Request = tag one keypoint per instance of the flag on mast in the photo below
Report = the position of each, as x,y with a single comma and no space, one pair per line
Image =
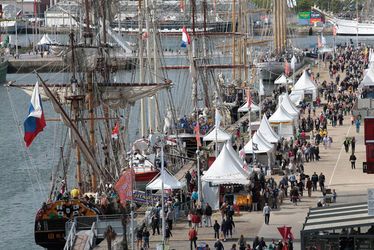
115,131
35,121
197,134
286,68
186,39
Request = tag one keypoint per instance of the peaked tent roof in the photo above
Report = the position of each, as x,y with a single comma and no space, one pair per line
297,97
45,40
281,116
234,154
266,130
244,108
225,170
289,106
304,83
282,79
221,135
261,145
170,182
368,79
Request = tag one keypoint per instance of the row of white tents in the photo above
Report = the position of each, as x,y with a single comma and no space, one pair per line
229,168
302,87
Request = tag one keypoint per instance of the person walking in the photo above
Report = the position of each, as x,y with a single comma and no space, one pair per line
346,145
358,124
309,187
192,236
314,181
353,159
242,243
321,181
216,228
353,144
208,215
266,210
218,245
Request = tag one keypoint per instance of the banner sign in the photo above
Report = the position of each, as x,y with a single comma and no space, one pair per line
146,198
124,186
304,15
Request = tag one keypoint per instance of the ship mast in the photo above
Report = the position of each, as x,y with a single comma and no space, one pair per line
279,25
233,29
141,66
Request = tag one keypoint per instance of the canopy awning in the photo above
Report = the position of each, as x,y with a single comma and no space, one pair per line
282,79
289,106
226,170
304,83
368,79
281,116
45,40
266,130
218,135
244,108
170,182
258,144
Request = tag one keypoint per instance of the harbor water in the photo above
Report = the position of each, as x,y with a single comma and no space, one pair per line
25,174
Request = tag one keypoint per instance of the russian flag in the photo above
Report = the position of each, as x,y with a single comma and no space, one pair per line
185,38
35,121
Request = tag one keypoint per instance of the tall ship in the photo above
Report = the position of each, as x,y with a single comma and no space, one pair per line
271,64
359,21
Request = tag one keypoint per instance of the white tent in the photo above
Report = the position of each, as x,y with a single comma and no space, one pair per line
281,116
225,170
368,79
170,182
234,154
305,84
258,144
244,108
288,105
266,130
325,50
217,134
45,40
296,97
282,79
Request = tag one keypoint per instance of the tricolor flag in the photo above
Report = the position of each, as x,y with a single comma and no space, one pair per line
186,40
197,134
35,121
115,131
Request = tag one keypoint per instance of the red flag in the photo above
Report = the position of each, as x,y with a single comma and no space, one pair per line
286,232
115,131
287,70
249,98
124,186
334,30
197,133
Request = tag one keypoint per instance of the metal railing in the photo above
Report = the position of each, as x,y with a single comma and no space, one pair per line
71,238
91,238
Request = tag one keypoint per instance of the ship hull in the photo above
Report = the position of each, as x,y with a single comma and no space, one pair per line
271,70
351,28
3,70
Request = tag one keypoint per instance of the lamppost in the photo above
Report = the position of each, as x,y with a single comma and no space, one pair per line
199,199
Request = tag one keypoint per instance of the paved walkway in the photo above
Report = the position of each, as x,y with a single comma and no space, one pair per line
350,185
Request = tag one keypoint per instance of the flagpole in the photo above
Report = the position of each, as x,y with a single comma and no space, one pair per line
162,193
198,177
